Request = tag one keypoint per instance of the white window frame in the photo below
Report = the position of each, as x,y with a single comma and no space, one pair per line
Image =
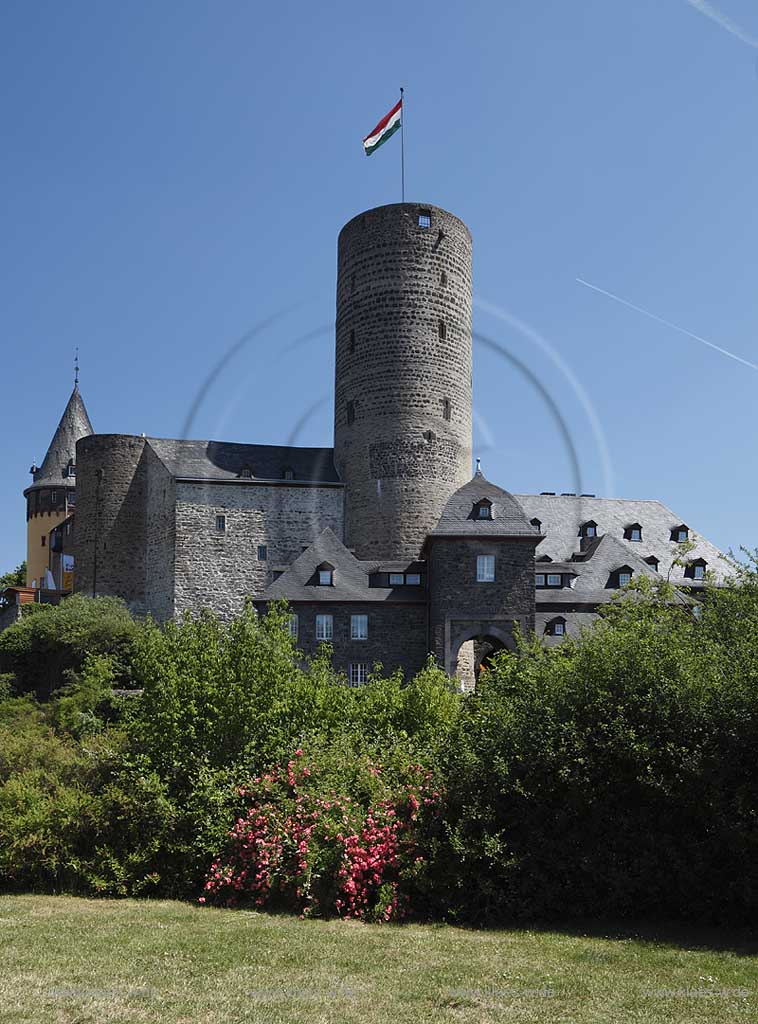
539,579
293,625
397,579
325,577
551,579
359,627
324,627
220,524
624,578
357,673
698,572
485,568
559,629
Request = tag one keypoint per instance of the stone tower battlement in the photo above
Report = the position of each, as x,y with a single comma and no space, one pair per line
402,411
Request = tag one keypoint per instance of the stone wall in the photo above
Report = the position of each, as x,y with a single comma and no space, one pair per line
462,609
217,569
397,634
403,354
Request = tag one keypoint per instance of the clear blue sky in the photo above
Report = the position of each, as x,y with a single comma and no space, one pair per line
175,173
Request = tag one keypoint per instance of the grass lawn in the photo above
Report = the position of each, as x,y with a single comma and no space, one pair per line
102,961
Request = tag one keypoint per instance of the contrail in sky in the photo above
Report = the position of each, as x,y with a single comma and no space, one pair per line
723,21
667,323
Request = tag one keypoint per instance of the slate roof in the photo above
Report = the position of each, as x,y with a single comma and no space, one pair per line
508,519
562,515
74,424
351,577
225,461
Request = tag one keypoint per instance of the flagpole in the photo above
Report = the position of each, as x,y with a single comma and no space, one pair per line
402,147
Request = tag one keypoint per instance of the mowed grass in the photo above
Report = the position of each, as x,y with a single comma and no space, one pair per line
101,961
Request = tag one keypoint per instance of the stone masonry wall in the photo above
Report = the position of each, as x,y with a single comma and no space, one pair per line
402,374
397,634
219,569
462,608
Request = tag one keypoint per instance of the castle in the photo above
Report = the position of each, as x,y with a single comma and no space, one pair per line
385,546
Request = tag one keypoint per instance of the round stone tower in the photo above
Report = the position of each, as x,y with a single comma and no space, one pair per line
402,410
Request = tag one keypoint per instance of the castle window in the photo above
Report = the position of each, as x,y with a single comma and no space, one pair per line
325,577
53,497
350,410
425,218
397,579
289,474
588,530
633,532
536,523
680,534
324,627
696,569
485,568
652,561
71,499
44,540
447,408
359,627
620,577
413,579
221,524
442,329
554,580
245,473
358,674
483,509
443,279
293,626
70,468
556,627
262,552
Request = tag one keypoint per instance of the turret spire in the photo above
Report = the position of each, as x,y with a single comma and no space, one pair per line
76,369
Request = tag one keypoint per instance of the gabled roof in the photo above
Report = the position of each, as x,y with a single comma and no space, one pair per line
74,424
561,516
508,519
226,461
351,577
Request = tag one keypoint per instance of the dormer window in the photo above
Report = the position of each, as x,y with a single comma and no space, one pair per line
325,577
482,509
556,627
536,523
588,530
653,562
633,532
288,474
246,473
680,534
621,577
696,569
71,468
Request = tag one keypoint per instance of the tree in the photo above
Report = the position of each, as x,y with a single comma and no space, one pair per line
15,578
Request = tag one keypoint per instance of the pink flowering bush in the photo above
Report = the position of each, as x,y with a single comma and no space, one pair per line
304,847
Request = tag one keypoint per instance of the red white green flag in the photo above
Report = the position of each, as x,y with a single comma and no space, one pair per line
386,128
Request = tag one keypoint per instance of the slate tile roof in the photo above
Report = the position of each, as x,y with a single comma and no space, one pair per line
74,424
351,577
458,516
225,460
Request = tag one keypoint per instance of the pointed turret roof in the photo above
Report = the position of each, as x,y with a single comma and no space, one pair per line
74,424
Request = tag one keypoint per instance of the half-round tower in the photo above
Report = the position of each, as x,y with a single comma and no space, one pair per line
402,412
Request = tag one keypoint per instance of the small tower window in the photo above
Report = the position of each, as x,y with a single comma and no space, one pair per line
425,218
447,408
262,553
633,532
350,412
71,468
44,540
442,329
443,279
588,530
53,497
221,524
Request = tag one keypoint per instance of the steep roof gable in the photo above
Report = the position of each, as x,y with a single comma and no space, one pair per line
74,424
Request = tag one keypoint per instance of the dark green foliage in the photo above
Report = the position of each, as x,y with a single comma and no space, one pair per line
614,776
15,578
52,640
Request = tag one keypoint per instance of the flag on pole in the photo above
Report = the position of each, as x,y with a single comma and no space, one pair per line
387,127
